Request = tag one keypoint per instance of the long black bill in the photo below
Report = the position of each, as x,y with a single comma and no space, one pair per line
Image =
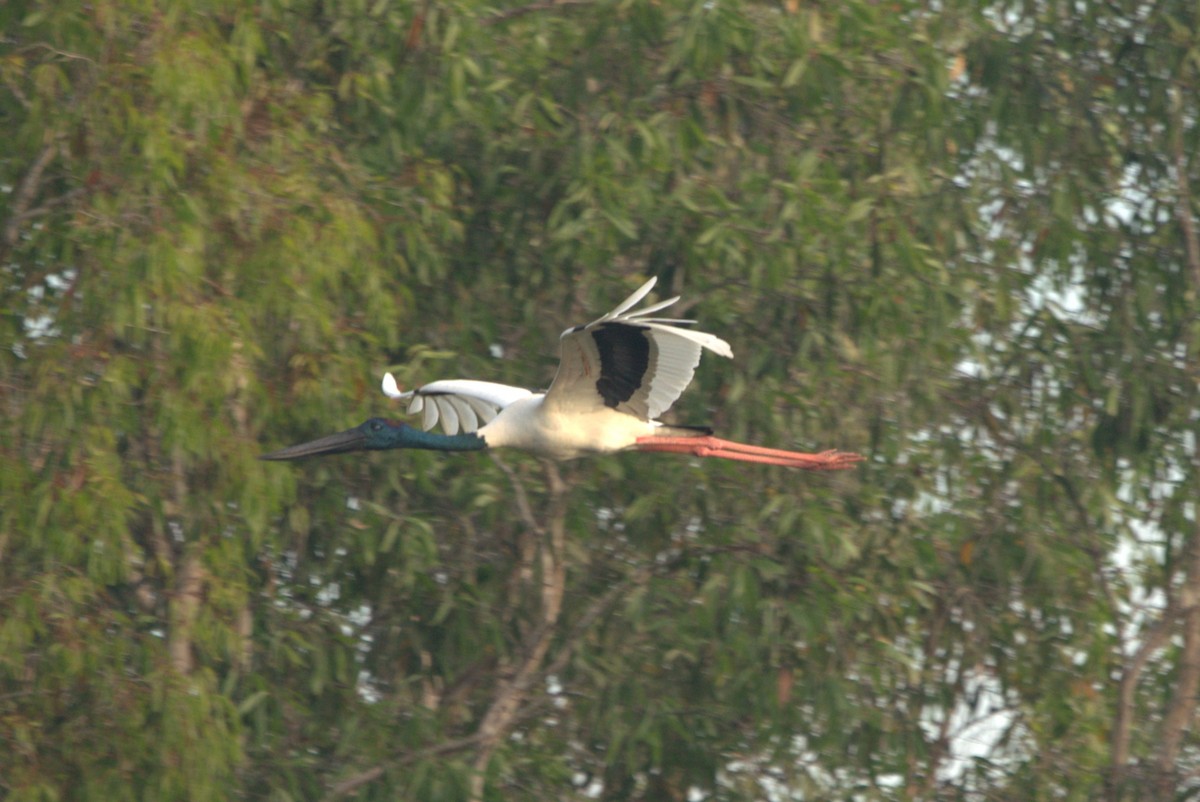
349,440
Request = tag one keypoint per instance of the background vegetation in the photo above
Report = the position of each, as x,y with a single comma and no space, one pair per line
957,237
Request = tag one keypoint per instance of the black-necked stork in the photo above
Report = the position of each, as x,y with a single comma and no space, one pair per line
616,375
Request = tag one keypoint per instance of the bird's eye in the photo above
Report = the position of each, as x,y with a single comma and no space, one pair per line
376,426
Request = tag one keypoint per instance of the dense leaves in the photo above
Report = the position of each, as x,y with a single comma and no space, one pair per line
958,239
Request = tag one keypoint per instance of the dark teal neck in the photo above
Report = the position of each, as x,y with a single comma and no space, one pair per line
469,441
380,434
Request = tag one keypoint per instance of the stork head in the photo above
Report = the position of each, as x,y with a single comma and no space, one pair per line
379,434
376,434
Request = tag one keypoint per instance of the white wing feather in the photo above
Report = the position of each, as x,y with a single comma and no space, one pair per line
459,404
674,355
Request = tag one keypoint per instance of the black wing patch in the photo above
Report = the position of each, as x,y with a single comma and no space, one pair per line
624,360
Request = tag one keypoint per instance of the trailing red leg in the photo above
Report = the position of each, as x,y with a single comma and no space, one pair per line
709,446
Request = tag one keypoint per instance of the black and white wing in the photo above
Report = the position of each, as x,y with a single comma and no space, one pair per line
628,361
459,404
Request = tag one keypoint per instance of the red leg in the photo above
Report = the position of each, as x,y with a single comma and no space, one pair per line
726,449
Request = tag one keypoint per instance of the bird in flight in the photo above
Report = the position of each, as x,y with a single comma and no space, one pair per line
616,376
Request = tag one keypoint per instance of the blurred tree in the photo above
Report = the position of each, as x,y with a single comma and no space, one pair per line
958,237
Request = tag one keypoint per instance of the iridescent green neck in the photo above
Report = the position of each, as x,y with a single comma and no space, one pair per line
380,434
416,438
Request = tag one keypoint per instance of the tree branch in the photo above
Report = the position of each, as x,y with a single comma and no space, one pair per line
1183,701
506,704
1183,204
184,606
1182,707
26,191
578,632
1155,637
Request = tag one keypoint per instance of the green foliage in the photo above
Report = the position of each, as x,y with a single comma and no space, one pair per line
960,240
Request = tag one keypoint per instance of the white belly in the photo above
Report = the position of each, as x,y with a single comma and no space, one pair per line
527,424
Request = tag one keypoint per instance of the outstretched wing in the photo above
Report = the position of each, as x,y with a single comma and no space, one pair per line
458,403
628,361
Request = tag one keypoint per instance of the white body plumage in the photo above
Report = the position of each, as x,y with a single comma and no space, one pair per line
529,424
616,375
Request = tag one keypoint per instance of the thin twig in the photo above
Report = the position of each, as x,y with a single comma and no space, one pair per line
526,540
532,8
523,507
63,53
356,781
598,608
